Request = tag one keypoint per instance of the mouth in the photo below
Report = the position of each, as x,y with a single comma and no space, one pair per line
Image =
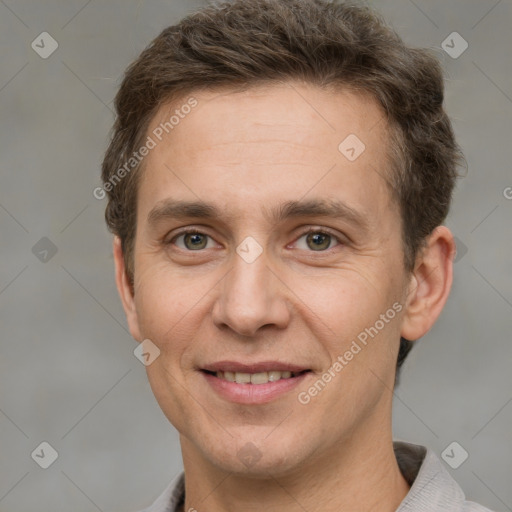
253,384
257,378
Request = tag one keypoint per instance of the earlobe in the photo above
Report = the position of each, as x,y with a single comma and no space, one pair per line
125,290
430,284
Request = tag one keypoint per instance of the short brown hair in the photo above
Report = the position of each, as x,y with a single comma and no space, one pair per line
246,43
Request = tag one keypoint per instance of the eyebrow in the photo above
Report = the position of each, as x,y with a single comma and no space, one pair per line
332,208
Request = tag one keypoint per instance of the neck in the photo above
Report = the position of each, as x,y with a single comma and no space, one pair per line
359,474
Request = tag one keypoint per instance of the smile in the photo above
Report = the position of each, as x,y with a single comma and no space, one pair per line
253,388
255,378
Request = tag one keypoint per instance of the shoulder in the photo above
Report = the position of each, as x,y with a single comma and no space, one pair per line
471,506
433,489
171,499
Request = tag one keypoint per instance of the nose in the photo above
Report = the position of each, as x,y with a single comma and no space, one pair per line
251,297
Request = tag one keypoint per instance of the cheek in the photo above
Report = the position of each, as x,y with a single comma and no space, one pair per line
357,317
170,309
343,301
161,302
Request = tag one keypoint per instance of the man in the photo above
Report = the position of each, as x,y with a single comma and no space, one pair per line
278,176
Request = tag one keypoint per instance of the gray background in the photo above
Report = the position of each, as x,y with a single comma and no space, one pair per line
68,375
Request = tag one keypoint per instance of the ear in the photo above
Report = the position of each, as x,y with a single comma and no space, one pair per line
430,284
125,290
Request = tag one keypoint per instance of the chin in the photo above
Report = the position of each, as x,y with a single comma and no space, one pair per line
258,459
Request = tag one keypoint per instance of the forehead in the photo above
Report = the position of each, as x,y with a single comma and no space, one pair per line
266,144
268,110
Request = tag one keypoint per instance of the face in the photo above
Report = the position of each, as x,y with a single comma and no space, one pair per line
292,260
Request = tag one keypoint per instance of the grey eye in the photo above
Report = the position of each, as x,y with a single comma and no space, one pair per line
192,241
316,241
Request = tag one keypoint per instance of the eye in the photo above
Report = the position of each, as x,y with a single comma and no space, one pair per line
318,240
193,240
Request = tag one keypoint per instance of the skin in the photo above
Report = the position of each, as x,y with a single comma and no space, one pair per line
247,152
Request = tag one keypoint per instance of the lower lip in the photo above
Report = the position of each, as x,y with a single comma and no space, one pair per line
253,393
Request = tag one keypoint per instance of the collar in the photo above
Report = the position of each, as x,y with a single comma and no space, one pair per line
432,487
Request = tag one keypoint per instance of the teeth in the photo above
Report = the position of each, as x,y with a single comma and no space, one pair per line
259,378
273,376
242,378
228,376
254,378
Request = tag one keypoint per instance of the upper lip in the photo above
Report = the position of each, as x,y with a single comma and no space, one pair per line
262,366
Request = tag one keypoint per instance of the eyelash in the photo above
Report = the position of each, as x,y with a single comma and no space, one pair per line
323,231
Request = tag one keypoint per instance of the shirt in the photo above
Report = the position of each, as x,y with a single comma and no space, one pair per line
433,489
